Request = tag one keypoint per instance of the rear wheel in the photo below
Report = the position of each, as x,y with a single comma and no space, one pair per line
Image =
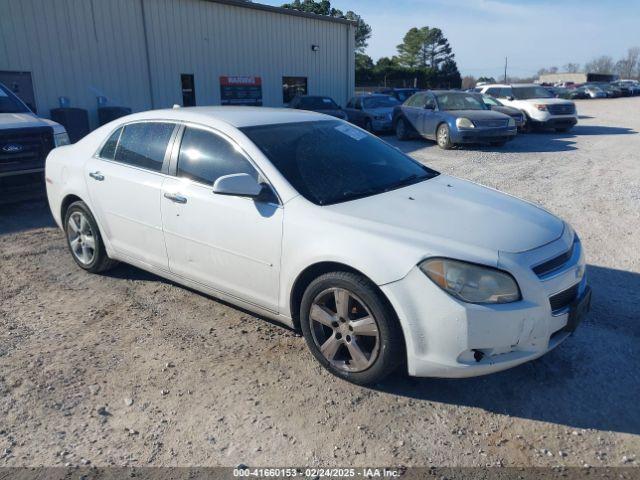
84,239
443,137
350,329
402,129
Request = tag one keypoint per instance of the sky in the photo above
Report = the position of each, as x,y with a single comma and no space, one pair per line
532,33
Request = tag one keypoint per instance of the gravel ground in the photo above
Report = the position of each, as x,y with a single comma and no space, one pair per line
128,369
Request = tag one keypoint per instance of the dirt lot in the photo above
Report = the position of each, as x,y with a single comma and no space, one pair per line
128,369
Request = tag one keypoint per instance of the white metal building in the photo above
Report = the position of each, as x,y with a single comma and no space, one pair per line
146,54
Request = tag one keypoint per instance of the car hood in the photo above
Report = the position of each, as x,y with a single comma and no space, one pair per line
546,101
379,111
506,110
27,120
447,211
333,112
475,114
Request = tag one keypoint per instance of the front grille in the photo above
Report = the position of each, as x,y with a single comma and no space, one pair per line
555,263
562,109
24,148
563,299
493,123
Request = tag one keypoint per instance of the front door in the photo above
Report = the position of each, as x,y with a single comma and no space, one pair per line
228,243
125,182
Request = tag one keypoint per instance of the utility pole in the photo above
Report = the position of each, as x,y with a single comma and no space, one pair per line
505,69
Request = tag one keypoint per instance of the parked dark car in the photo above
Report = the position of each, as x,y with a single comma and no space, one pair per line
373,112
318,103
497,106
610,90
578,93
400,94
451,118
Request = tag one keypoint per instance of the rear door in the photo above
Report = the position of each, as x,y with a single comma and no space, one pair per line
125,183
413,110
228,243
430,116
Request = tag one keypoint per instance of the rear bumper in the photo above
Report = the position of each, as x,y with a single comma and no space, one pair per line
484,135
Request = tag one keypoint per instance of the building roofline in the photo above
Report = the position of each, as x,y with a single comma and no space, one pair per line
283,11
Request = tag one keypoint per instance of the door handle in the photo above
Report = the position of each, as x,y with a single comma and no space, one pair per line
175,197
97,176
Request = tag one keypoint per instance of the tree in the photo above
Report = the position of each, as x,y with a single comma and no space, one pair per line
626,67
571,67
487,80
468,82
602,64
323,7
449,76
424,47
364,62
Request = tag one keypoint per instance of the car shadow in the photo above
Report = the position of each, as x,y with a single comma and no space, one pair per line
590,381
27,215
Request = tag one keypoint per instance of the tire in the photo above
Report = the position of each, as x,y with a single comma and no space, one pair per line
368,126
443,137
84,239
380,341
402,129
527,127
563,129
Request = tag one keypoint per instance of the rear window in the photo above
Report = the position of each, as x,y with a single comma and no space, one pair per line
144,145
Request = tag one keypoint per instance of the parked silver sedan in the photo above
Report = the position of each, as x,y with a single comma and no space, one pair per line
372,112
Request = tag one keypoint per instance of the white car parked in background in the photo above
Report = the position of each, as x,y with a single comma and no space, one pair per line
541,109
315,223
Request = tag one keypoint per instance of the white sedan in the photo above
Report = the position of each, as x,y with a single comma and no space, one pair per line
380,261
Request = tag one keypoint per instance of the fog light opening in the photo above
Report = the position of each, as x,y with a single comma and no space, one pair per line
478,355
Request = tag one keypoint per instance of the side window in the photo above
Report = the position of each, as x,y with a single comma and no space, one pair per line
109,148
505,92
419,100
494,92
351,103
205,156
430,101
358,104
144,144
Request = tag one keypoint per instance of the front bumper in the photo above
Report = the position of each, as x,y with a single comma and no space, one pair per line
555,122
483,135
382,125
443,335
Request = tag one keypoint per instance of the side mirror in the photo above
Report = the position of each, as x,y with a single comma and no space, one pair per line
237,185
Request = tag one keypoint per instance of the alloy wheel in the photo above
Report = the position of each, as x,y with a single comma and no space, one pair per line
81,238
344,330
443,136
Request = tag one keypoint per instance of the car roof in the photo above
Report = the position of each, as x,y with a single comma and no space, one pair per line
233,115
512,85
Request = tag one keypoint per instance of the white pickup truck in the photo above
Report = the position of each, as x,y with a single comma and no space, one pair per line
540,108
25,139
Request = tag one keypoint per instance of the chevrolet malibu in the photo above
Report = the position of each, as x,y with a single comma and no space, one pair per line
380,261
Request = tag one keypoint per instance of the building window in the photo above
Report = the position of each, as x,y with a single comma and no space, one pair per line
188,90
292,86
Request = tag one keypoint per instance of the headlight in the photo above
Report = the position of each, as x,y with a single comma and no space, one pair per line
541,106
471,283
464,123
60,139
512,122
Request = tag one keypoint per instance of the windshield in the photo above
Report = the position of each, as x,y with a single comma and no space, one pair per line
9,103
379,102
526,93
489,100
459,101
318,103
402,95
331,161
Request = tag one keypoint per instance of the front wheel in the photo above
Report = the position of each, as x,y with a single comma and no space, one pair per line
84,239
402,129
350,329
443,137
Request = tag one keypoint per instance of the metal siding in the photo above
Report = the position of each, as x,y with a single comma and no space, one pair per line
84,48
